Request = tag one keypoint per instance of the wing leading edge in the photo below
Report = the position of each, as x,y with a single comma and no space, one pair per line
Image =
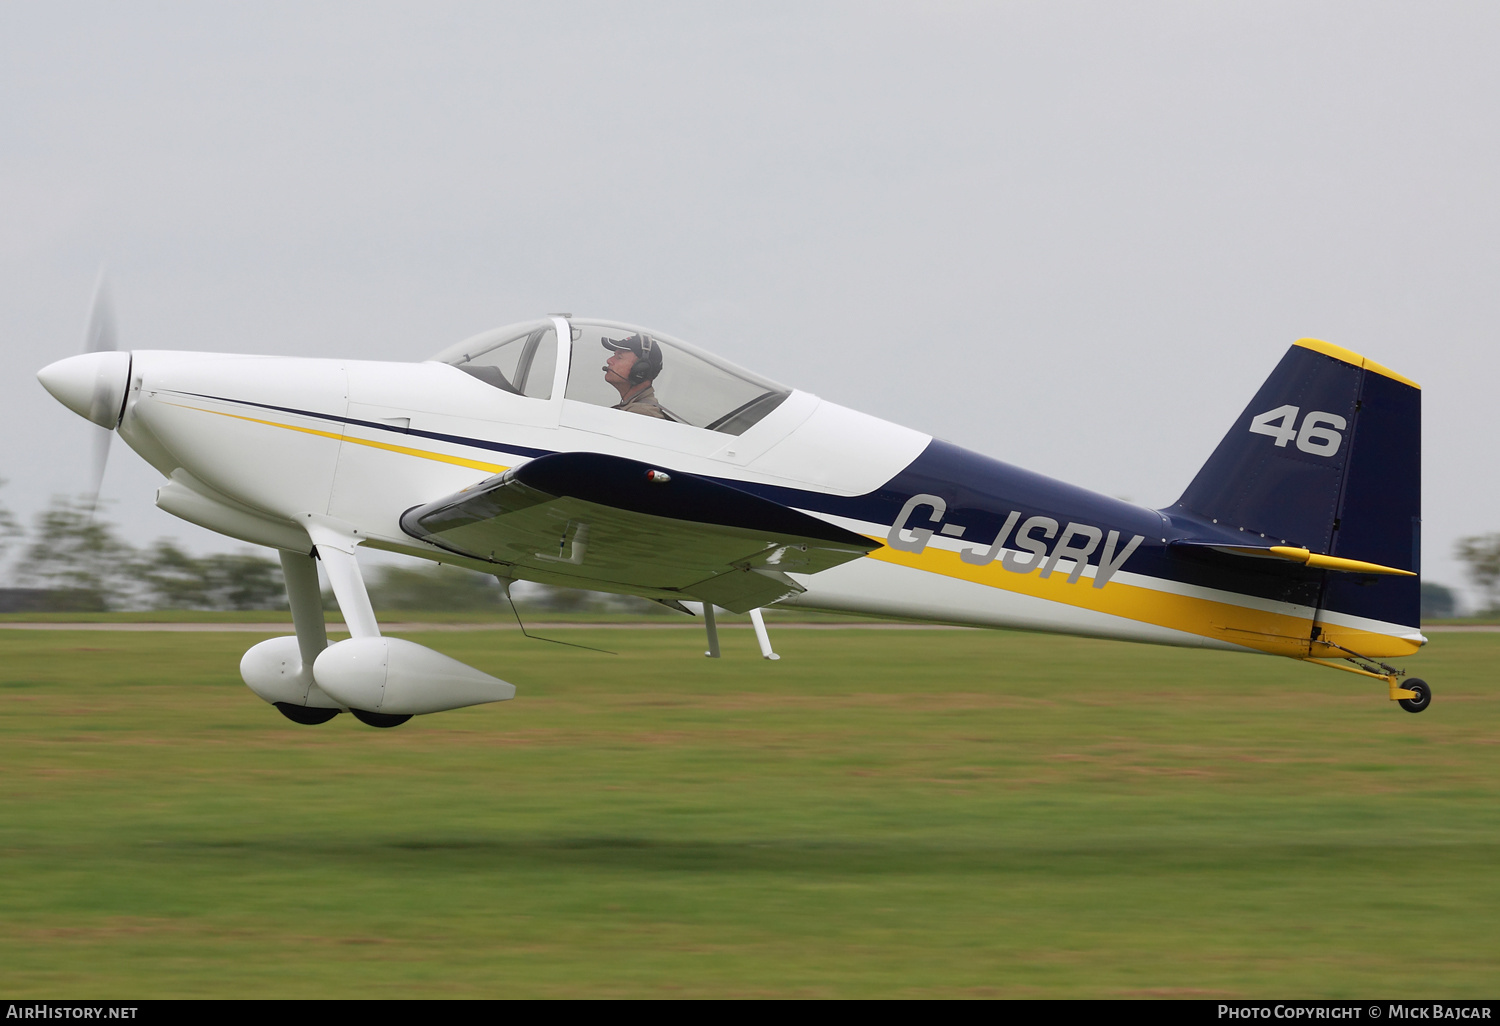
609,523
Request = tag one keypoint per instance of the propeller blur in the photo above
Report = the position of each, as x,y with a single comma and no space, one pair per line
92,385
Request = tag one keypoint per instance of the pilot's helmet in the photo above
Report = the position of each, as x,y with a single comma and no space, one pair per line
647,351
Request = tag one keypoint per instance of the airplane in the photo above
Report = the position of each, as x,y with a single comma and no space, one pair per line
601,455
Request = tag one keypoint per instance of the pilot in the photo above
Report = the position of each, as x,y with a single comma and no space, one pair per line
632,368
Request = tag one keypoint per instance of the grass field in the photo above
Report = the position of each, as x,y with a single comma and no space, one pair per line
500,616
879,813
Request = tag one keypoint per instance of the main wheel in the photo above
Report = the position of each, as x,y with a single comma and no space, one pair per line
305,714
378,719
1423,699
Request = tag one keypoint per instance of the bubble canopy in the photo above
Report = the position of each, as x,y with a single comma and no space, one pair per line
693,387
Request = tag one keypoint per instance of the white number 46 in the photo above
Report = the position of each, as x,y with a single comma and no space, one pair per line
1319,435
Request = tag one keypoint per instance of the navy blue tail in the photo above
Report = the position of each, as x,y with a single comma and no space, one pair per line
1327,457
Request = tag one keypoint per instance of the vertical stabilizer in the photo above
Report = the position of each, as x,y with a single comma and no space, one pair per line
1327,457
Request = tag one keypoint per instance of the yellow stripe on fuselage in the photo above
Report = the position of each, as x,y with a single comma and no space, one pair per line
1275,633
426,454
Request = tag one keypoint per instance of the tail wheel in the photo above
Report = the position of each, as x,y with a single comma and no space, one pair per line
305,715
1423,699
375,719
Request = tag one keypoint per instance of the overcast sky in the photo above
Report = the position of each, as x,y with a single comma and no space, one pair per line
1073,236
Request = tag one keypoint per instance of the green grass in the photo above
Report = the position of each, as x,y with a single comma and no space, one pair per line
500,614
879,813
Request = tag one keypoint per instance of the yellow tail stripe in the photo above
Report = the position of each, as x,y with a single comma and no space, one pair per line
1349,356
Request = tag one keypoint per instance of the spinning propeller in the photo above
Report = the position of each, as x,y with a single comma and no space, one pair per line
93,384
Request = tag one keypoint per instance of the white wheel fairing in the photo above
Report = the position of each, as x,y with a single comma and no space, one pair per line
401,678
274,670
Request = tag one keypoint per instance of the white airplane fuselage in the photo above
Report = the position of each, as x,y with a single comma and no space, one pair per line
361,442
321,455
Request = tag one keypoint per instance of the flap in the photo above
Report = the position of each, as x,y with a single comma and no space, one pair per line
615,524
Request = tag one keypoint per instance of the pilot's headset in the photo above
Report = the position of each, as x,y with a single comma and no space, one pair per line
649,364
648,355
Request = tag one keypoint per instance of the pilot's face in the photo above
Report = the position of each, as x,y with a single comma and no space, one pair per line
617,367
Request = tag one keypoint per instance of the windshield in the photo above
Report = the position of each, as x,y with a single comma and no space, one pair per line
519,358
647,373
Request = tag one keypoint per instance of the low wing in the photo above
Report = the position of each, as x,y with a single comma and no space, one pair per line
614,524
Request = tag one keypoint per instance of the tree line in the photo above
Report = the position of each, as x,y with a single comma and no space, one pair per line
73,559
77,557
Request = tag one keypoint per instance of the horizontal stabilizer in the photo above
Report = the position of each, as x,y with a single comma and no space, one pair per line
1312,560
612,524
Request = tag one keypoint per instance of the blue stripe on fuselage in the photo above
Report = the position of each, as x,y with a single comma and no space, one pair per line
981,492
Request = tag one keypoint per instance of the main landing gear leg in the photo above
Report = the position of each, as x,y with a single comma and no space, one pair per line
306,600
336,549
309,705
